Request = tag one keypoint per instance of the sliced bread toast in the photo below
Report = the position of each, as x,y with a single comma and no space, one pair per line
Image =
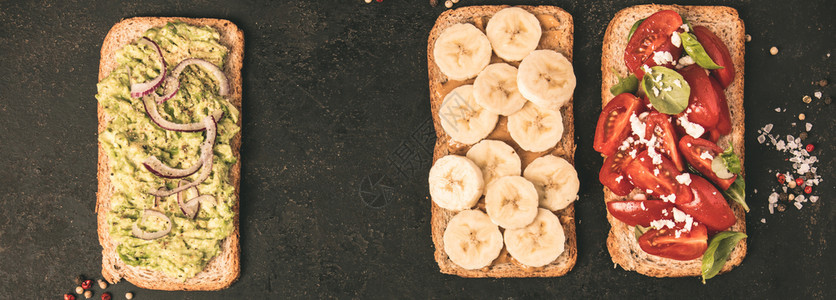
558,34
222,270
724,22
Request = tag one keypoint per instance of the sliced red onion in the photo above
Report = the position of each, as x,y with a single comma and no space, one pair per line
151,235
158,199
160,169
172,85
151,111
206,155
223,84
191,207
141,89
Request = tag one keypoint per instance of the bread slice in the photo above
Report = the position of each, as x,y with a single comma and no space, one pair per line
724,22
222,270
558,35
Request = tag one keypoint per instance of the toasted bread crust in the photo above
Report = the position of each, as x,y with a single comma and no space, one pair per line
724,22
222,270
557,36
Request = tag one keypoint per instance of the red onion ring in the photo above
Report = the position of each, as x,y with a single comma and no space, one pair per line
142,234
155,166
206,155
191,207
169,92
141,89
151,111
223,83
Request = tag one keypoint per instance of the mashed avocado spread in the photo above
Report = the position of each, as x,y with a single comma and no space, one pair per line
131,137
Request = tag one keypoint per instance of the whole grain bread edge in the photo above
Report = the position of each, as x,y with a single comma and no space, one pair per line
724,22
224,269
558,35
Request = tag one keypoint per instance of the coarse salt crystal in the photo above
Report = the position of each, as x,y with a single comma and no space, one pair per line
814,199
763,220
809,126
767,128
773,198
761,139
817,94
777,109
798,205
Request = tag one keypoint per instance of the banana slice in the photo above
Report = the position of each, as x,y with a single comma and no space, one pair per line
511,202
556,181
463,119
546,78
471,240
496,159
495,89
513,32
455,183
536,129
539,243
461,51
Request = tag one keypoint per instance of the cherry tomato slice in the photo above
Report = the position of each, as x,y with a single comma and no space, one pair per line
723,126
660,125
707,205
719,53
663,242
656,179
649,37
614,123
612,172
703,103
640,212
694,152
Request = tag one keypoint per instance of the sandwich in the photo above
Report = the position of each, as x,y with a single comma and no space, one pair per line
671,133
169,134
503,182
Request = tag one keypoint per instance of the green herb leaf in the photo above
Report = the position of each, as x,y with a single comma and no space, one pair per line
737,192
629,84
639,231
730,159
635,26
666,89
718,252
693,47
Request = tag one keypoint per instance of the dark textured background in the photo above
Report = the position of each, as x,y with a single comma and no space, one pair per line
336,142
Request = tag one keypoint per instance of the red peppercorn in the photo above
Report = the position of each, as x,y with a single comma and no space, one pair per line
106,296
87,284
782,178
69,297
810,148
808,189
799,181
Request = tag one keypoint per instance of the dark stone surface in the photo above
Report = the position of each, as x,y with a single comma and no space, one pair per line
337,148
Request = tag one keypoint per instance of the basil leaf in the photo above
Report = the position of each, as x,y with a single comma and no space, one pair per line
730,159
635,26
639,231
737,192
629,84
693,47
718,251
666,89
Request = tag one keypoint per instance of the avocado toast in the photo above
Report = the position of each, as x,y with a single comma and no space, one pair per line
200,250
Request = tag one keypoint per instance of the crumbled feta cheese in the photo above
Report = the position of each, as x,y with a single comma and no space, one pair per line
668,198
676,40
637,126
646,69
649,191
642,205
633,153
685,27
684,178
659,224
655,156
685,61
655,172
665,212
677,83
619,178
706,155
661,58
693,129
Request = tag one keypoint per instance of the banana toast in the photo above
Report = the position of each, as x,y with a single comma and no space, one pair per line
557,34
